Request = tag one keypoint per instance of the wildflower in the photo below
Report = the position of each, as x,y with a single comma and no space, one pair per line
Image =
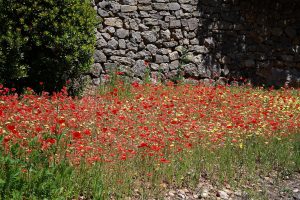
76,135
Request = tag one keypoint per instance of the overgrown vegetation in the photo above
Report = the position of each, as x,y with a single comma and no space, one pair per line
143,139
46,41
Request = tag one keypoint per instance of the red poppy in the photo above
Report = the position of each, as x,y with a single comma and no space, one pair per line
76,135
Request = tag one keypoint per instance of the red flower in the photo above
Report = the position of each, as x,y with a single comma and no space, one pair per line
10,127
76,135
87,132
50,140
143,144
163,160
120,73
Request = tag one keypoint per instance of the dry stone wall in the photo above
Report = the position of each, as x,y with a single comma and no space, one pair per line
199,40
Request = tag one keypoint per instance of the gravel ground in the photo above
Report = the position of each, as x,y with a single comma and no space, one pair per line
266,188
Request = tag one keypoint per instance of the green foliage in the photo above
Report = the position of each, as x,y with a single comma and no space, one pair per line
46,41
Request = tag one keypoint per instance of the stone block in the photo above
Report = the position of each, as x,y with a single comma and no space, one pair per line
175,24
174,6
122,33
115,22
128,8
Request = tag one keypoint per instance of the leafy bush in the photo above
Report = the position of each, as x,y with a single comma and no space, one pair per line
45,41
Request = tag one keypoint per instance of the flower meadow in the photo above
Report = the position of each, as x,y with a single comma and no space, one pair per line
143,138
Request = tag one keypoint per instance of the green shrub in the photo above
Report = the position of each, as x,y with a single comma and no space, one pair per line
49,41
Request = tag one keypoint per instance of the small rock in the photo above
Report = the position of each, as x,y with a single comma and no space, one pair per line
174,55
149,36
136,37
150,22
99,56
122,33
128,8
193,23
174,6
112,44
160,6
175,24
172,193
165,35
222,195
204,193
116,22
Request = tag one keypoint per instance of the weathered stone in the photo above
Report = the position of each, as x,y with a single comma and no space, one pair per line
165,35
164,51
106,36
193,23
174,64
177,34
160,6
145,7
184,1
170,44
145,55
194,41
163,25
132,46
114,7
122,60
150,22
122,33
107,52
102,13
136,37
161,59
152,48
122,44
99,56
141,46
154,66
199,49
143,27
131,55
139,68
128,8
164,67
156,16
129,2
110,30
174,6
198,59
164,13
190,70
115,22
101,43
174,55
188,7
179,14
96,69
112,44
149,36
180,49
144,14
144,1
175,24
